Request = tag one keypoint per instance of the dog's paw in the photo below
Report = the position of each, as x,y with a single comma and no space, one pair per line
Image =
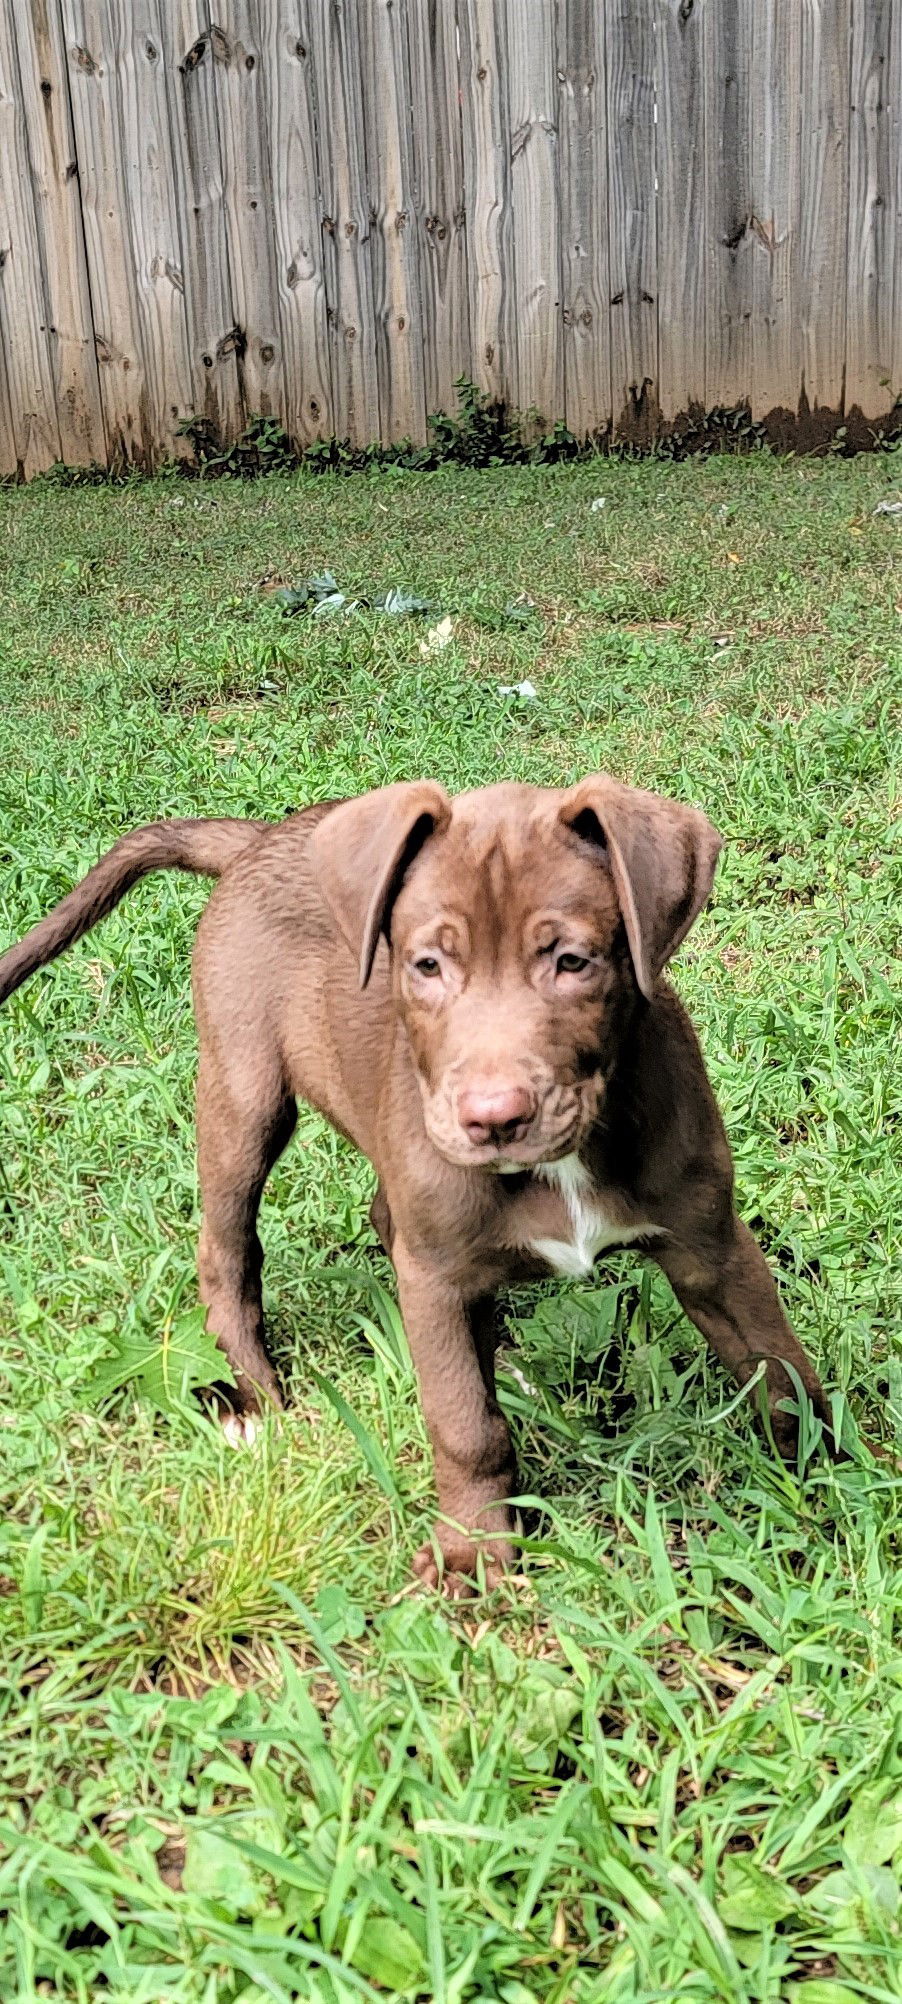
433,1574
240,1429
459,1567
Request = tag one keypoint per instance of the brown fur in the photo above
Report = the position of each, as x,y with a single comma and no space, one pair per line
464,988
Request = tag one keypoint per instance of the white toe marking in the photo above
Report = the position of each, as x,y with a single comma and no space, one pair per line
592,1227
240,1431
514,1371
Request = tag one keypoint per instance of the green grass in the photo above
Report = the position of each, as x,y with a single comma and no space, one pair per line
239,1758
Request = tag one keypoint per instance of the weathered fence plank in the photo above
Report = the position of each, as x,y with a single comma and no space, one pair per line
9,458
33,439
439,199
45,103
873,195
820,291
247,179
483,73
680,161
535,206
346,218
290,86
775,205
213,340
729,284
103,183
585,277
121,123
394,251
896,90
630,50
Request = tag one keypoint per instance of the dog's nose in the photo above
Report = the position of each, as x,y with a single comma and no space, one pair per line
496,1113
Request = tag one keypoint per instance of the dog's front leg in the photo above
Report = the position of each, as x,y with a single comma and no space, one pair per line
475,1470
728,1291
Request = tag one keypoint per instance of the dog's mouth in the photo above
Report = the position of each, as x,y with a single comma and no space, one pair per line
518,1161
515,1158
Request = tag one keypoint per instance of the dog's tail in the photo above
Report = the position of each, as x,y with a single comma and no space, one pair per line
204,847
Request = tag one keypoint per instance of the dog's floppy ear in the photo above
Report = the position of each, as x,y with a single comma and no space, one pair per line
662,858
361,850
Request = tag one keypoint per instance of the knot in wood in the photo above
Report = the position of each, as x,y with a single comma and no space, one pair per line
195,55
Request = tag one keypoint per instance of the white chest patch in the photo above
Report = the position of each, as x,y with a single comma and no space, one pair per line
592,1231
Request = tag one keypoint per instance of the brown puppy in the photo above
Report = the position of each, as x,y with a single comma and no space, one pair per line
471,991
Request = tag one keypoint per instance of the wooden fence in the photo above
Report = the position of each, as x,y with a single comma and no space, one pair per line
614,211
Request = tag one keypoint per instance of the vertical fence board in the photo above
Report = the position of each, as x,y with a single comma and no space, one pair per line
157,256
823,225
483,78
439,199
188,47
34,441
896,143
729,284
244,139
346,222
9,456
94,92
535,206
584,217
122,134
298,219
394,251
872,211
680,159
45,103
775,205
630,52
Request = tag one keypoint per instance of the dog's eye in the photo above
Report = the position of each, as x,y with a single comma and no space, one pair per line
427,965
570,963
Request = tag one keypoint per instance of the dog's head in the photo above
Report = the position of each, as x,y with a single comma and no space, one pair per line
523,924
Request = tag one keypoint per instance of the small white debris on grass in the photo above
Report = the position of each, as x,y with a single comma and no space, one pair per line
888,508
437,637
525,690
600,501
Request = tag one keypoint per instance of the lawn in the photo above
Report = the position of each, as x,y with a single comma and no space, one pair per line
240,1759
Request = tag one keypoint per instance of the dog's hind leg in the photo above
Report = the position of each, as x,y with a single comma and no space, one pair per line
245,1117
